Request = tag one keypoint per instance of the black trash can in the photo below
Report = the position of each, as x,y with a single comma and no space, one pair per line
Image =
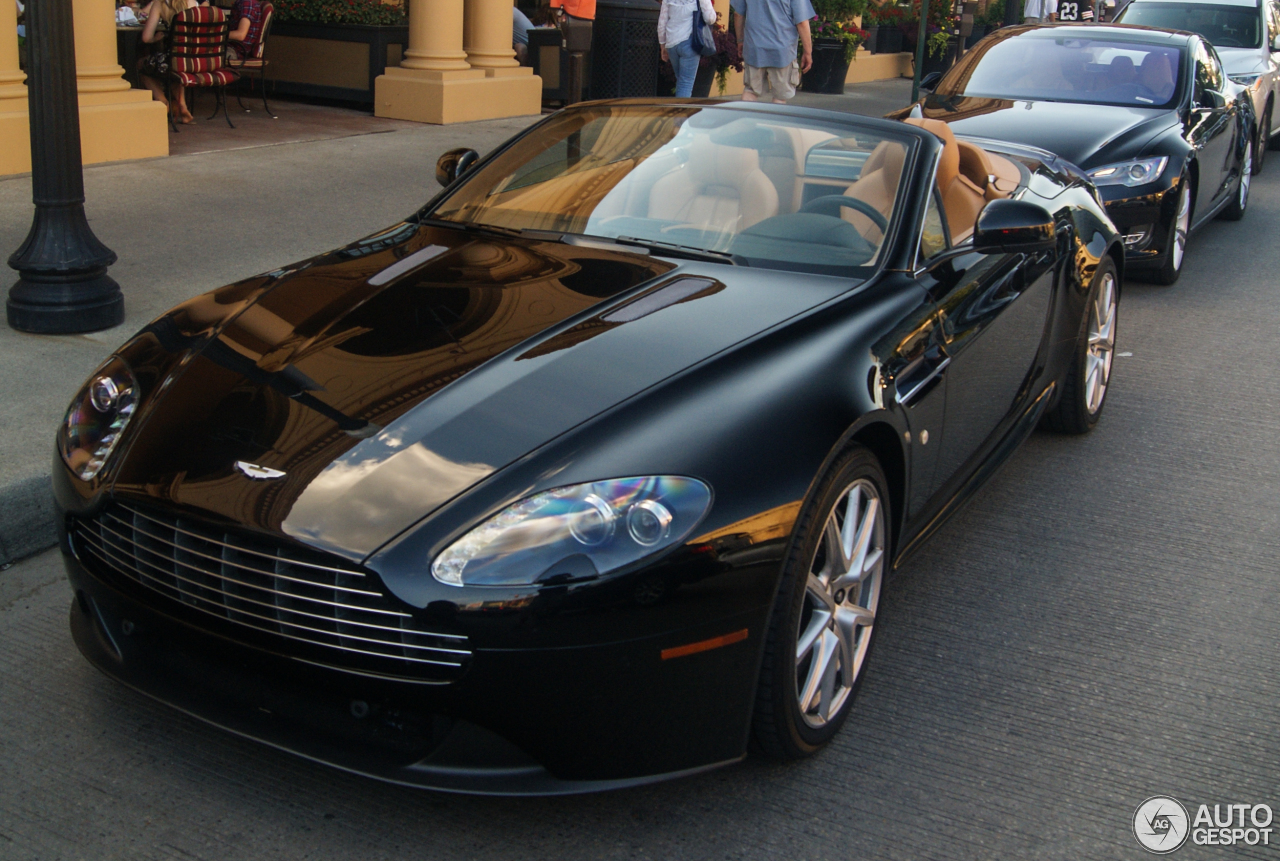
624,49
829,68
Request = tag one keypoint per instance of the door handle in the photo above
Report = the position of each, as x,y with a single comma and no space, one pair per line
920,372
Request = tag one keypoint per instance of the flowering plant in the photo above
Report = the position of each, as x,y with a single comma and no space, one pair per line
938,28
884,16
850,35
373,12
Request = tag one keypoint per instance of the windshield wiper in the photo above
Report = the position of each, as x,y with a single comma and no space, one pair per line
471,226
671,249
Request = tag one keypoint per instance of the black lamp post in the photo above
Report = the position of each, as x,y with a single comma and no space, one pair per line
63,285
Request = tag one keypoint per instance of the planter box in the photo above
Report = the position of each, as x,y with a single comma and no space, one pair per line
888,39
332,61
829,68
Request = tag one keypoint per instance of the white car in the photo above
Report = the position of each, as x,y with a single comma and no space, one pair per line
1246,35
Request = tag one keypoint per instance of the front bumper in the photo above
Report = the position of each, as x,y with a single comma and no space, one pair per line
1150,213
520,722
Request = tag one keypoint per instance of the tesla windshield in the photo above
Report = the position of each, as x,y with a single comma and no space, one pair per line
1056,66
763,189
1224,26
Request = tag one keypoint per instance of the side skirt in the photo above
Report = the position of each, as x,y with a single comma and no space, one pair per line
989,466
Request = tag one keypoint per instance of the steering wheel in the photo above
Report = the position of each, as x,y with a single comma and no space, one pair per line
833,202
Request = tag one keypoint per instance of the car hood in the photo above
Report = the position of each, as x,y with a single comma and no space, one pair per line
1242,61
1086,135
365,389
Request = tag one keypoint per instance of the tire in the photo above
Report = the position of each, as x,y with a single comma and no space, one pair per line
831,612
1176,244
1240,200
1262,143
1084,386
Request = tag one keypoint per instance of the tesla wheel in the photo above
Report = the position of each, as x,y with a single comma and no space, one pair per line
1240,200
1263,142
1084,388
1176,246
824,615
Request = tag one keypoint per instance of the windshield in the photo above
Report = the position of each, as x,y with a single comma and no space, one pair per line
709,179
1223,26
1057,66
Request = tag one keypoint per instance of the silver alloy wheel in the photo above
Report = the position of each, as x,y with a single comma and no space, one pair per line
1246,171
840,603
1102,343
1183,222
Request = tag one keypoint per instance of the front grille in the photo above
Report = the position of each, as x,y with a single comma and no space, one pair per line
329,611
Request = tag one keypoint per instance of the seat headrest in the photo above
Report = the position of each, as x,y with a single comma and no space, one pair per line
949,163
975,164
722,165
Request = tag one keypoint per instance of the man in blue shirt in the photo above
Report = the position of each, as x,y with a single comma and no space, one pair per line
768,31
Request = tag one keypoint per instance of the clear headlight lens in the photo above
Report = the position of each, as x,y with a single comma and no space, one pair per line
96,418
1137,172
574,532
1245,80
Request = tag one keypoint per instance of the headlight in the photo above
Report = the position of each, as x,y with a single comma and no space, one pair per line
1245,80
97,417
580,531
1138,172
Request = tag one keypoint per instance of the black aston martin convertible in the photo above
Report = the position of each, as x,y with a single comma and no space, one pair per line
1148,114
591,471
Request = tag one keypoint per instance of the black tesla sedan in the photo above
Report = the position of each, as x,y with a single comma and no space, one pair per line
594,468
1148,114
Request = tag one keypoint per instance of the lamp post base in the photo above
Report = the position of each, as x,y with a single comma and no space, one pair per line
65,304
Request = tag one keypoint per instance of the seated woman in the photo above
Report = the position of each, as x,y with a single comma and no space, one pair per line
246,30
154,67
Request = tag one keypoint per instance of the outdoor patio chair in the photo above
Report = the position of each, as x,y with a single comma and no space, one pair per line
255,67
198,54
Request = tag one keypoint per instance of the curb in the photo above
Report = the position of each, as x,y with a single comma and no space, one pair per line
27,523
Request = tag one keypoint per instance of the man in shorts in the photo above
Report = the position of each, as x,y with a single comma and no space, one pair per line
768,31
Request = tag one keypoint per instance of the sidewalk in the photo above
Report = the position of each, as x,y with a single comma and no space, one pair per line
189,223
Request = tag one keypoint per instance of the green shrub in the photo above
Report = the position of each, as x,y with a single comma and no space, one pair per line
340,12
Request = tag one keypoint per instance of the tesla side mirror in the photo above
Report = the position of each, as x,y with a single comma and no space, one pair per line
1013,225
454,164
929,81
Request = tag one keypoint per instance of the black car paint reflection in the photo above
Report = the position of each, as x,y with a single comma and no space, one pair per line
416,382
1202,130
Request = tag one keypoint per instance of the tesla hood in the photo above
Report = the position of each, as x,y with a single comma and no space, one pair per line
375,384
1086,135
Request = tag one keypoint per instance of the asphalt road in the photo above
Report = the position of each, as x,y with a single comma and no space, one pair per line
1098,626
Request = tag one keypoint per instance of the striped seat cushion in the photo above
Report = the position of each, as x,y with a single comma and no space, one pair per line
218,78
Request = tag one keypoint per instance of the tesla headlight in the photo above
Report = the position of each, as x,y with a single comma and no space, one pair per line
1245,80
97,417
1137,172
574,532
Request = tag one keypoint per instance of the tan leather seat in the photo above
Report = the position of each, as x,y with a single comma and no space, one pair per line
876,185
720,188
962,198
1156,74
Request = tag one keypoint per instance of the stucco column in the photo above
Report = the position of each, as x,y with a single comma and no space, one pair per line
487,35
435,36
440,81
15,138
116,122
96,68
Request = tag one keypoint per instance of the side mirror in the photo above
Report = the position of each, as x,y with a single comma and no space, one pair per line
929,81
454,164
1013,225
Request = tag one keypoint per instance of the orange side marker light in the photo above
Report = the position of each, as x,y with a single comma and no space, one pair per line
704,645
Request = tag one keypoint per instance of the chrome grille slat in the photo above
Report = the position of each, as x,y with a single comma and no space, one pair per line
217,573
199,602
172,557
222,598
138,514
